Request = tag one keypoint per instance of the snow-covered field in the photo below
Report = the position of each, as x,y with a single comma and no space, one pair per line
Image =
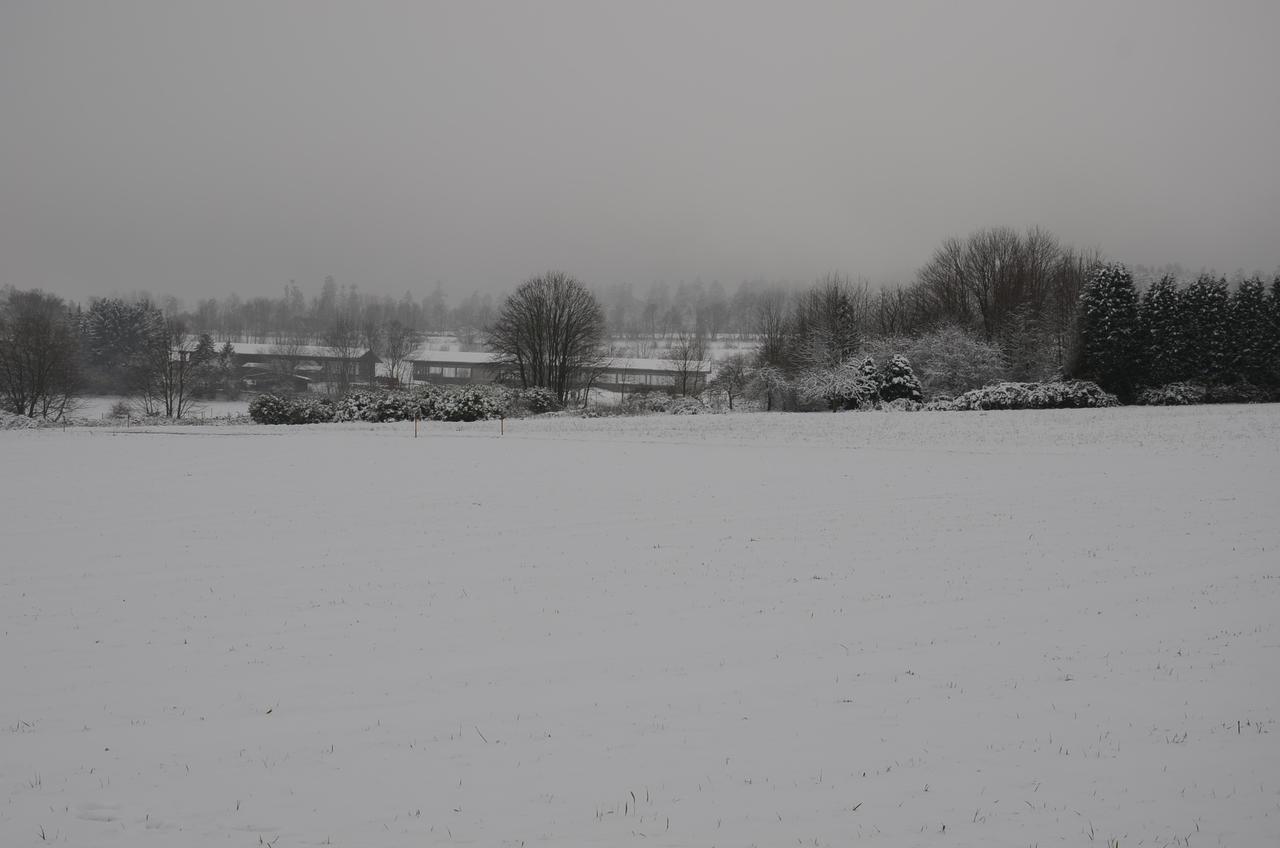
97,407
913,629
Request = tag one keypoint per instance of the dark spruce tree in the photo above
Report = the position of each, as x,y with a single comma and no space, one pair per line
898,380
1251,332
1206,317
1163,333
1272,378
1110,336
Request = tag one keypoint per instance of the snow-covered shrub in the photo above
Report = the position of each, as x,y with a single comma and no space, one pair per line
13,421
298,409
940,404
470,403
846,387
421,402
869,369
903,404
643,403
686,406
898,381
947,361
1188,394
312,410
1066,394
387,405
1173,394
354,406
535,400
1241,392
771,386
404,405
449,403
268,409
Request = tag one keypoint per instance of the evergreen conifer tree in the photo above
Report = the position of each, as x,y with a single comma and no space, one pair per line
1110,336
898,380
869,370
1250,331
1272,345
1206,317
1164,335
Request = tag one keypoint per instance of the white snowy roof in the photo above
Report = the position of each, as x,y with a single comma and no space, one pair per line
301,351
622,363
457,357
473,357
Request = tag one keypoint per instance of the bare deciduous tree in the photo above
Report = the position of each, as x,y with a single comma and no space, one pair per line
173,368
732,376
998,282
688,357
394,343
286,356
827,322
343,340
772,325
772,382
38,375
549,332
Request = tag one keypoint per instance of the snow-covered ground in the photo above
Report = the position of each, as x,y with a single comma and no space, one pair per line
893,629
97,407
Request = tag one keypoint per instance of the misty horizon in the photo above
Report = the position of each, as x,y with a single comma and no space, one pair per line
209,150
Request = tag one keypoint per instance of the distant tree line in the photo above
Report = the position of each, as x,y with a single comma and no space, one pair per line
996,305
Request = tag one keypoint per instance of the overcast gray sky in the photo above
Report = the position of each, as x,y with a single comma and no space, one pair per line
203,148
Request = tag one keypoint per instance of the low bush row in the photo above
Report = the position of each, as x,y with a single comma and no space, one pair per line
1187,394
480,402
1063,394
291,409
430,403
648,403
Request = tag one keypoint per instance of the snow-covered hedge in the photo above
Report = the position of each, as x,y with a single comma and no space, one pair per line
1187,394
449,403
469,403
686,406
642,403
1066,394
1173,394
648,403
386,405
1241,392
533,401
296,409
